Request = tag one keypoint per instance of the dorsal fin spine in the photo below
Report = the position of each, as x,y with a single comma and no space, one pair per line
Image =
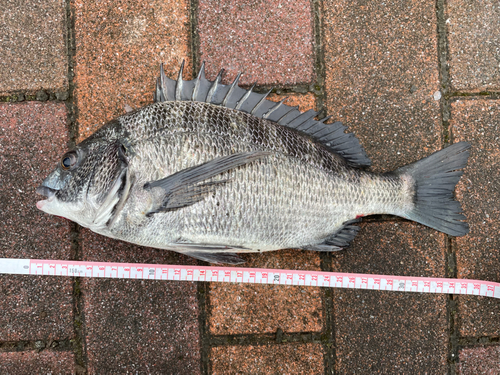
213,88
325,119
244,97
307,118
163,83
286,114
274,108
178,85
262,100
231,89
201,75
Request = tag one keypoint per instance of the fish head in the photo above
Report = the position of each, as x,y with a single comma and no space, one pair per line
86,183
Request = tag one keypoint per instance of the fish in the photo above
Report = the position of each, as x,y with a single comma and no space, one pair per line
211,170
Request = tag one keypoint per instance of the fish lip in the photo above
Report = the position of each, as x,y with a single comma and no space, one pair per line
49,193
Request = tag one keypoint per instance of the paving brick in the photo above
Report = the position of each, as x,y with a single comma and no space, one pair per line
32,362
247,308
477,121
145,326
35,308
304,101
271,42
268,359
390,332
32,139
475,361
394,248
119,47
474,39
382,74
33,46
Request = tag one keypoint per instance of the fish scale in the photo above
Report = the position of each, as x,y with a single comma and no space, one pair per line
210,170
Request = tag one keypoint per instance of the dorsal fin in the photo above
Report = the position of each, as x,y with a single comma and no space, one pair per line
200,89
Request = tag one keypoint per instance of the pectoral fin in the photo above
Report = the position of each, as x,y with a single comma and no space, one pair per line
187,186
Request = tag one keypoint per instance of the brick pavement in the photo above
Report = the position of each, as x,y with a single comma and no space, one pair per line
407,77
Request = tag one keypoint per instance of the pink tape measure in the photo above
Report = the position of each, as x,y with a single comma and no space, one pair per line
249,276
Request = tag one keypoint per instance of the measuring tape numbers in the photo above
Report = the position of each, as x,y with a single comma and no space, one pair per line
112,270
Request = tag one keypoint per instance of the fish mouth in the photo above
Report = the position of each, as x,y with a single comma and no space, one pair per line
49,193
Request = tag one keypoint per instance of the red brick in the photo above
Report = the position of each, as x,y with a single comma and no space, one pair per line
119,47
474,37
145,326
33,136
475,361
271,42
476,121
394,248
246,308
33,52
32,362
390,332
381,75
268,359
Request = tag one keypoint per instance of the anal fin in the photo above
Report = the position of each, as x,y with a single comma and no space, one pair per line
339,240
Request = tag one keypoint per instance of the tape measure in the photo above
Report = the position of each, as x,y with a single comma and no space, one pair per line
112,270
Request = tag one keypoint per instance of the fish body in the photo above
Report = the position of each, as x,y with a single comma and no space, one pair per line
211,177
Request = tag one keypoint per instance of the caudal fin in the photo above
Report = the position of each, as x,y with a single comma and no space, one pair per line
435,178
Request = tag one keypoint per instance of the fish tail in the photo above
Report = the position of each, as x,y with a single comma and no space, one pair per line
434,180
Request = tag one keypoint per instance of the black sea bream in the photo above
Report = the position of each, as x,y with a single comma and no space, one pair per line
210,170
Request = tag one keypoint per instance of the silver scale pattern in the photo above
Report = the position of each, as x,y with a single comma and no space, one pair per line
298,196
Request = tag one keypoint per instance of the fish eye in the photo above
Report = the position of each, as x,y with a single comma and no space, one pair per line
69,160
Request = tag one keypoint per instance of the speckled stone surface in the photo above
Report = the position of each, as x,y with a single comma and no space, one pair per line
271,42
33,56
474,40
119,48
387,332
478,256
481,360
394,248
246,308
381,76
35,308
390,332
268,359
31,362
32,138
138,325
